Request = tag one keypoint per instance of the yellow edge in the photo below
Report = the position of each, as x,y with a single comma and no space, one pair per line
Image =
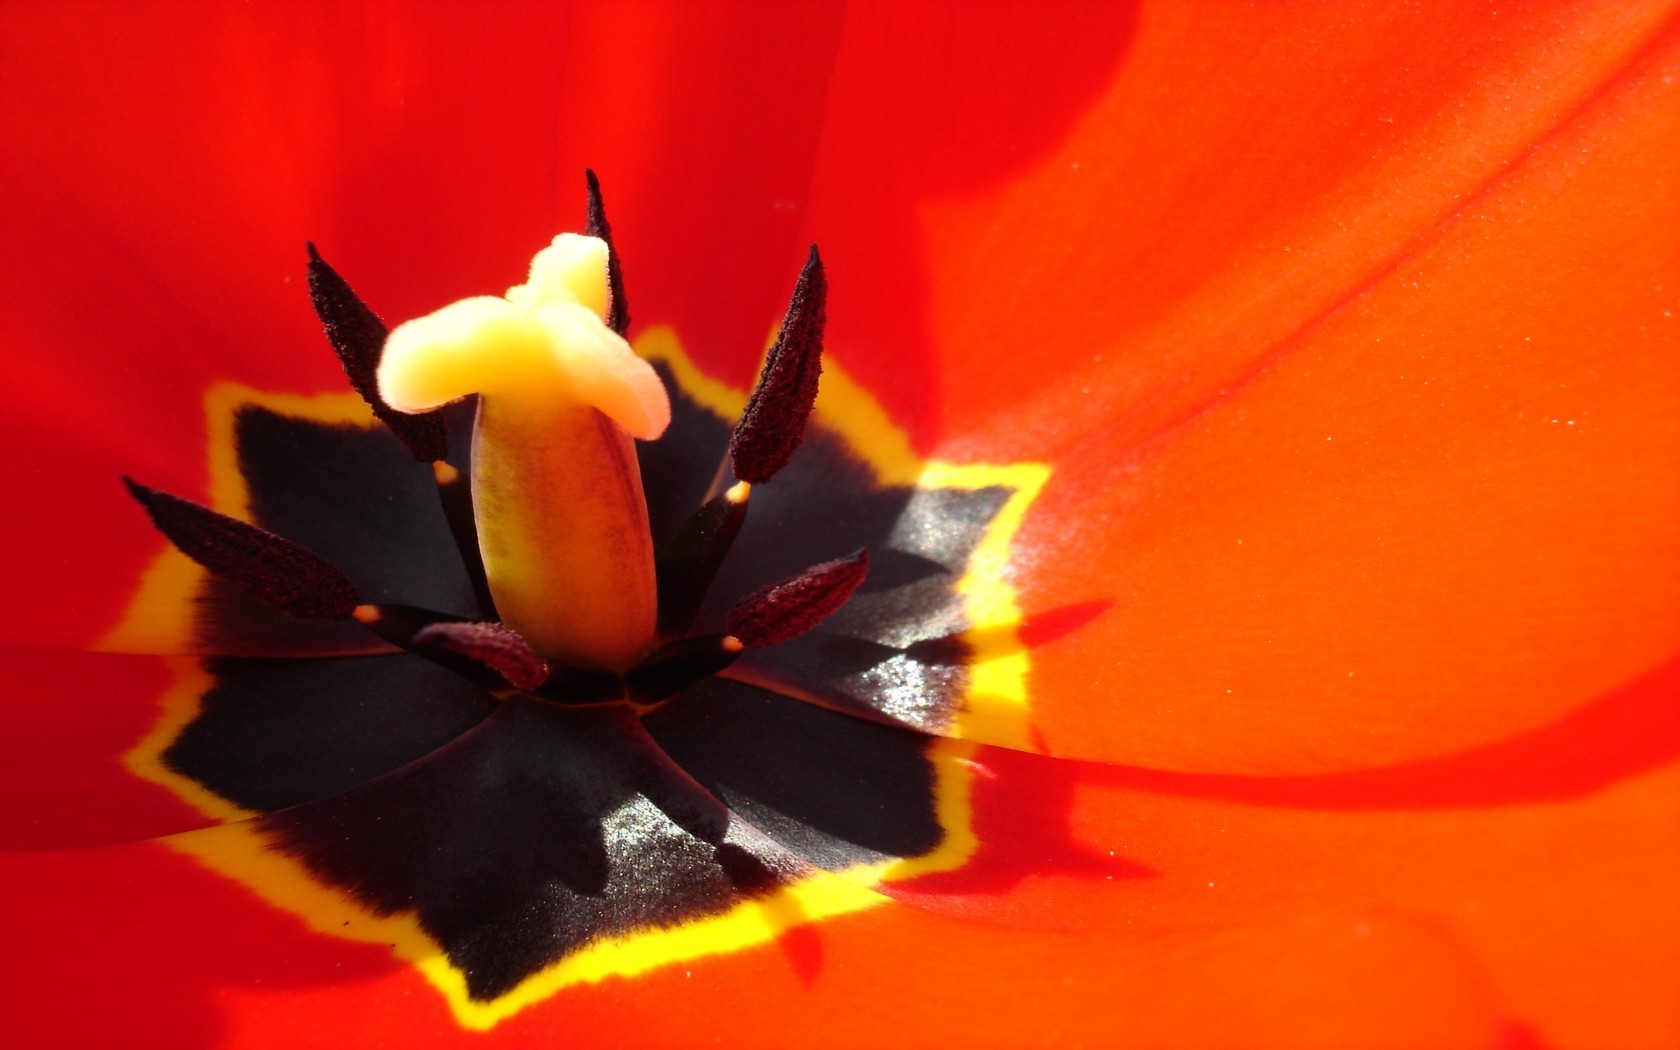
994,710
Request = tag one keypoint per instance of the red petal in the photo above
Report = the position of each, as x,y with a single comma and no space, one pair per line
68,720
828,124
276,985
164,170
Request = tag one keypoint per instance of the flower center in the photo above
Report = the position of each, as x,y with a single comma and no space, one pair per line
552,522
511,804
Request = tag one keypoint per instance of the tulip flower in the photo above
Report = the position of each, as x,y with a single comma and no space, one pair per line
1340,343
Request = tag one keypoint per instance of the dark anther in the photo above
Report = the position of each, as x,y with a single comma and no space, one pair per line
455,494
357,336
402,626
774,422
680,664
690,561
489,655
286,575
495,645
596,225
784,611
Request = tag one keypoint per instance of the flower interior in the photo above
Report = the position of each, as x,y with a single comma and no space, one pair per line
546,706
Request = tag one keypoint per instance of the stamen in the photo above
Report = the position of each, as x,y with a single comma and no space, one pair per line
286,575
402,625
784,611
596,225
495,645
445,639
455,494
680,664
774,423
688,564
357,336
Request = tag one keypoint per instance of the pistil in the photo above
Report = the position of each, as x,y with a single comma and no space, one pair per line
562,524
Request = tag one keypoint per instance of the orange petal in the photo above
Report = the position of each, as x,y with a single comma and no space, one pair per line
1568,906
1423,507
1552,868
